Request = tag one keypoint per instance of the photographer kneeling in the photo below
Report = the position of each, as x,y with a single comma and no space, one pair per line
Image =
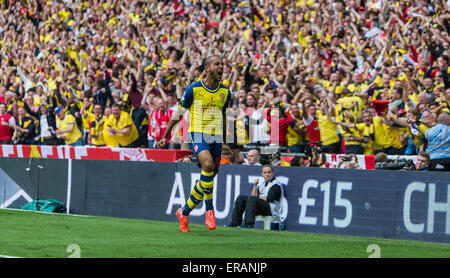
265,199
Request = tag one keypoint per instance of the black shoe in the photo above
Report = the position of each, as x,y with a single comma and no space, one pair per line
247,226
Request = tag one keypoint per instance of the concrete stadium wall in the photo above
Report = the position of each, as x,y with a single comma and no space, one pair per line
385,204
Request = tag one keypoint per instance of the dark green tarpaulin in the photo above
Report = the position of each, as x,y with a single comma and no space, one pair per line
49,205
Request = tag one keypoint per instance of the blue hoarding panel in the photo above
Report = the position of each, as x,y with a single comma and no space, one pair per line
387,204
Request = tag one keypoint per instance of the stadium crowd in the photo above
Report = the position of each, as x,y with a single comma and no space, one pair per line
314,77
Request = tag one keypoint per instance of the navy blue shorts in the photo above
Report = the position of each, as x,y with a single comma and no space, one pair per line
201,141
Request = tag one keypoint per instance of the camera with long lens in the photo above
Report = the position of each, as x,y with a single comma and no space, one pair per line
313,147
396,164
268,154
347,158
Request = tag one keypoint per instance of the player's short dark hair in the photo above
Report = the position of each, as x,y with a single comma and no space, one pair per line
209,59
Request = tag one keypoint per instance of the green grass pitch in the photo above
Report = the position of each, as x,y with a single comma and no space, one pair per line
45,235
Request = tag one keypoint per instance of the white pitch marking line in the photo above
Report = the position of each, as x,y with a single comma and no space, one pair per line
9,257
46,212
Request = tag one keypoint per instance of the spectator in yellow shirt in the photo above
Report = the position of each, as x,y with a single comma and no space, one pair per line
331,142
110,141
353,136
120,126
67,128
296,131
95,122
415,128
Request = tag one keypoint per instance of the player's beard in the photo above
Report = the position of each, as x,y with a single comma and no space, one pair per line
218,75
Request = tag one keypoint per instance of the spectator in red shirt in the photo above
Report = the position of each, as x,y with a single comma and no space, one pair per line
159,118
279,123
7,124
312,124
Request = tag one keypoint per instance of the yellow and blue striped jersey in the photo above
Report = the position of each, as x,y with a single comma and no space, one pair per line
206,107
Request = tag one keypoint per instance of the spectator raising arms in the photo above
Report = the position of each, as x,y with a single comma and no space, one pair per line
121,128
67,128
279,122
288,57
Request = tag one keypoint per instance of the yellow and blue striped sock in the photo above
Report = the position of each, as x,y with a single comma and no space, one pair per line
195,199
207,184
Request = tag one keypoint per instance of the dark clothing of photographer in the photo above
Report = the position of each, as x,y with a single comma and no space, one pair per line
254,205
